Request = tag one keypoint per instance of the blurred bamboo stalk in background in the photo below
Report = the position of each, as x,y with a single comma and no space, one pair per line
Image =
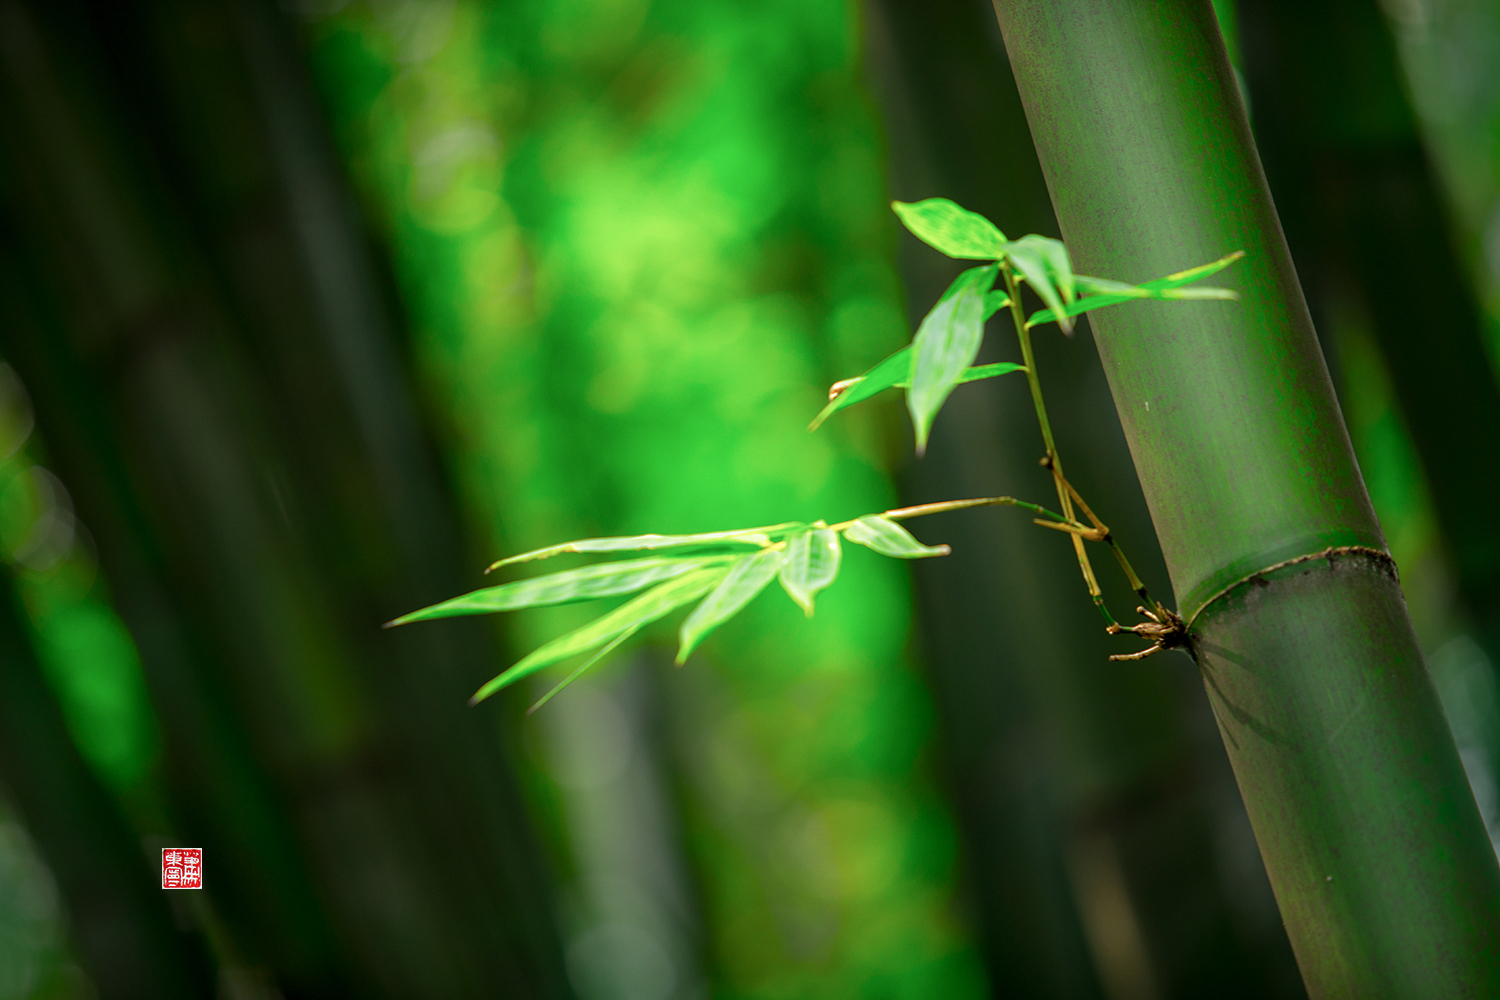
215,367
120,921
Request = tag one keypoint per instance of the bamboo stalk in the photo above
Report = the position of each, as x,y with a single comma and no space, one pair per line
1381,866
1350,193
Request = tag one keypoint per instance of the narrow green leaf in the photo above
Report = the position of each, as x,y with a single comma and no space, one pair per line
633,614
1093,302
890,539
1170,288
1104,286
748,577
945,345
994,302
978,279
891,372
1194,273
613,645
1044,263
810,563
896,369
1054,255
586,583
758,537
1206,292
857,390
978,372
955,231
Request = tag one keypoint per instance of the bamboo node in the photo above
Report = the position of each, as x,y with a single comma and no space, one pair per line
1166,630
1332,555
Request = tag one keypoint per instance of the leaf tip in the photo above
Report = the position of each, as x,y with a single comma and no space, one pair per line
921,428
394,622
489,688
802,601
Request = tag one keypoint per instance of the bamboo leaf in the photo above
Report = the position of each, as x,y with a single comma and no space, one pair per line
895,370
976,373
891,372
1206,292
955,231
810,563
759,537
584,667
890,539
994,302
857,390
1168,288
1044,263
1082,306
1093,302
587,583
1195,273
747,578
979,279
633,614
945,345
1104,286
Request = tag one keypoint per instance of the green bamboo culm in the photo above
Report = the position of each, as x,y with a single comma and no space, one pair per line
1385,877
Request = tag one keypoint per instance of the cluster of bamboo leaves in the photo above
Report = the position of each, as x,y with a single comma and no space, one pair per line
727,569
723,571
942,355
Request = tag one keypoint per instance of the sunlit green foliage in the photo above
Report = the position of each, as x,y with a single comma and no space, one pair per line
805,557
945,347
941,356
635,240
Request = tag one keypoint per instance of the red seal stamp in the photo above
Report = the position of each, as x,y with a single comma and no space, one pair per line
182,867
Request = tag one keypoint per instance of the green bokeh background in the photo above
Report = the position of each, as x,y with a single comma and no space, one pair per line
636,241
